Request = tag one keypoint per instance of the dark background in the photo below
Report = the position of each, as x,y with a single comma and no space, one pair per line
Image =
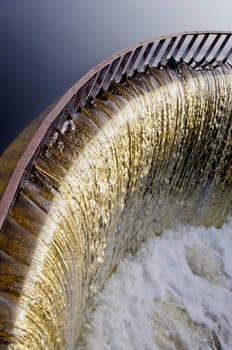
47,45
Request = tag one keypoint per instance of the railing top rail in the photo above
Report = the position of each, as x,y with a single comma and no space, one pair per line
197,48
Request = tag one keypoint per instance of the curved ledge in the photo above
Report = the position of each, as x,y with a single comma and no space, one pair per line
193,48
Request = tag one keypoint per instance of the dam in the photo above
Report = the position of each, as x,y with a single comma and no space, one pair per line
143,141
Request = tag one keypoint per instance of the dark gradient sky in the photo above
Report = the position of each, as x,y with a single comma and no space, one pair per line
47,45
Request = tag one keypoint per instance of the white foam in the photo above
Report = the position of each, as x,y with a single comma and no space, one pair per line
175,293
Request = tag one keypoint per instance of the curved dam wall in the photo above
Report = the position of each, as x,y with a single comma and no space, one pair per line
153,149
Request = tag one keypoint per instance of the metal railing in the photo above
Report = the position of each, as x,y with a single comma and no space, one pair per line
197,49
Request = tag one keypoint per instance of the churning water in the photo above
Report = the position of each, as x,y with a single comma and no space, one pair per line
174,293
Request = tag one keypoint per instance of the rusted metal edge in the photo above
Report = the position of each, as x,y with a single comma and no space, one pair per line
127,61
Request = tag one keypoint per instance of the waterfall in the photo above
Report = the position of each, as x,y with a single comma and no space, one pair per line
152,150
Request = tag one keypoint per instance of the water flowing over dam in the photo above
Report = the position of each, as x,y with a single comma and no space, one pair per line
128,159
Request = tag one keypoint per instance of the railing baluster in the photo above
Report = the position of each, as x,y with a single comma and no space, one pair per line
189,47
198,49
164,57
